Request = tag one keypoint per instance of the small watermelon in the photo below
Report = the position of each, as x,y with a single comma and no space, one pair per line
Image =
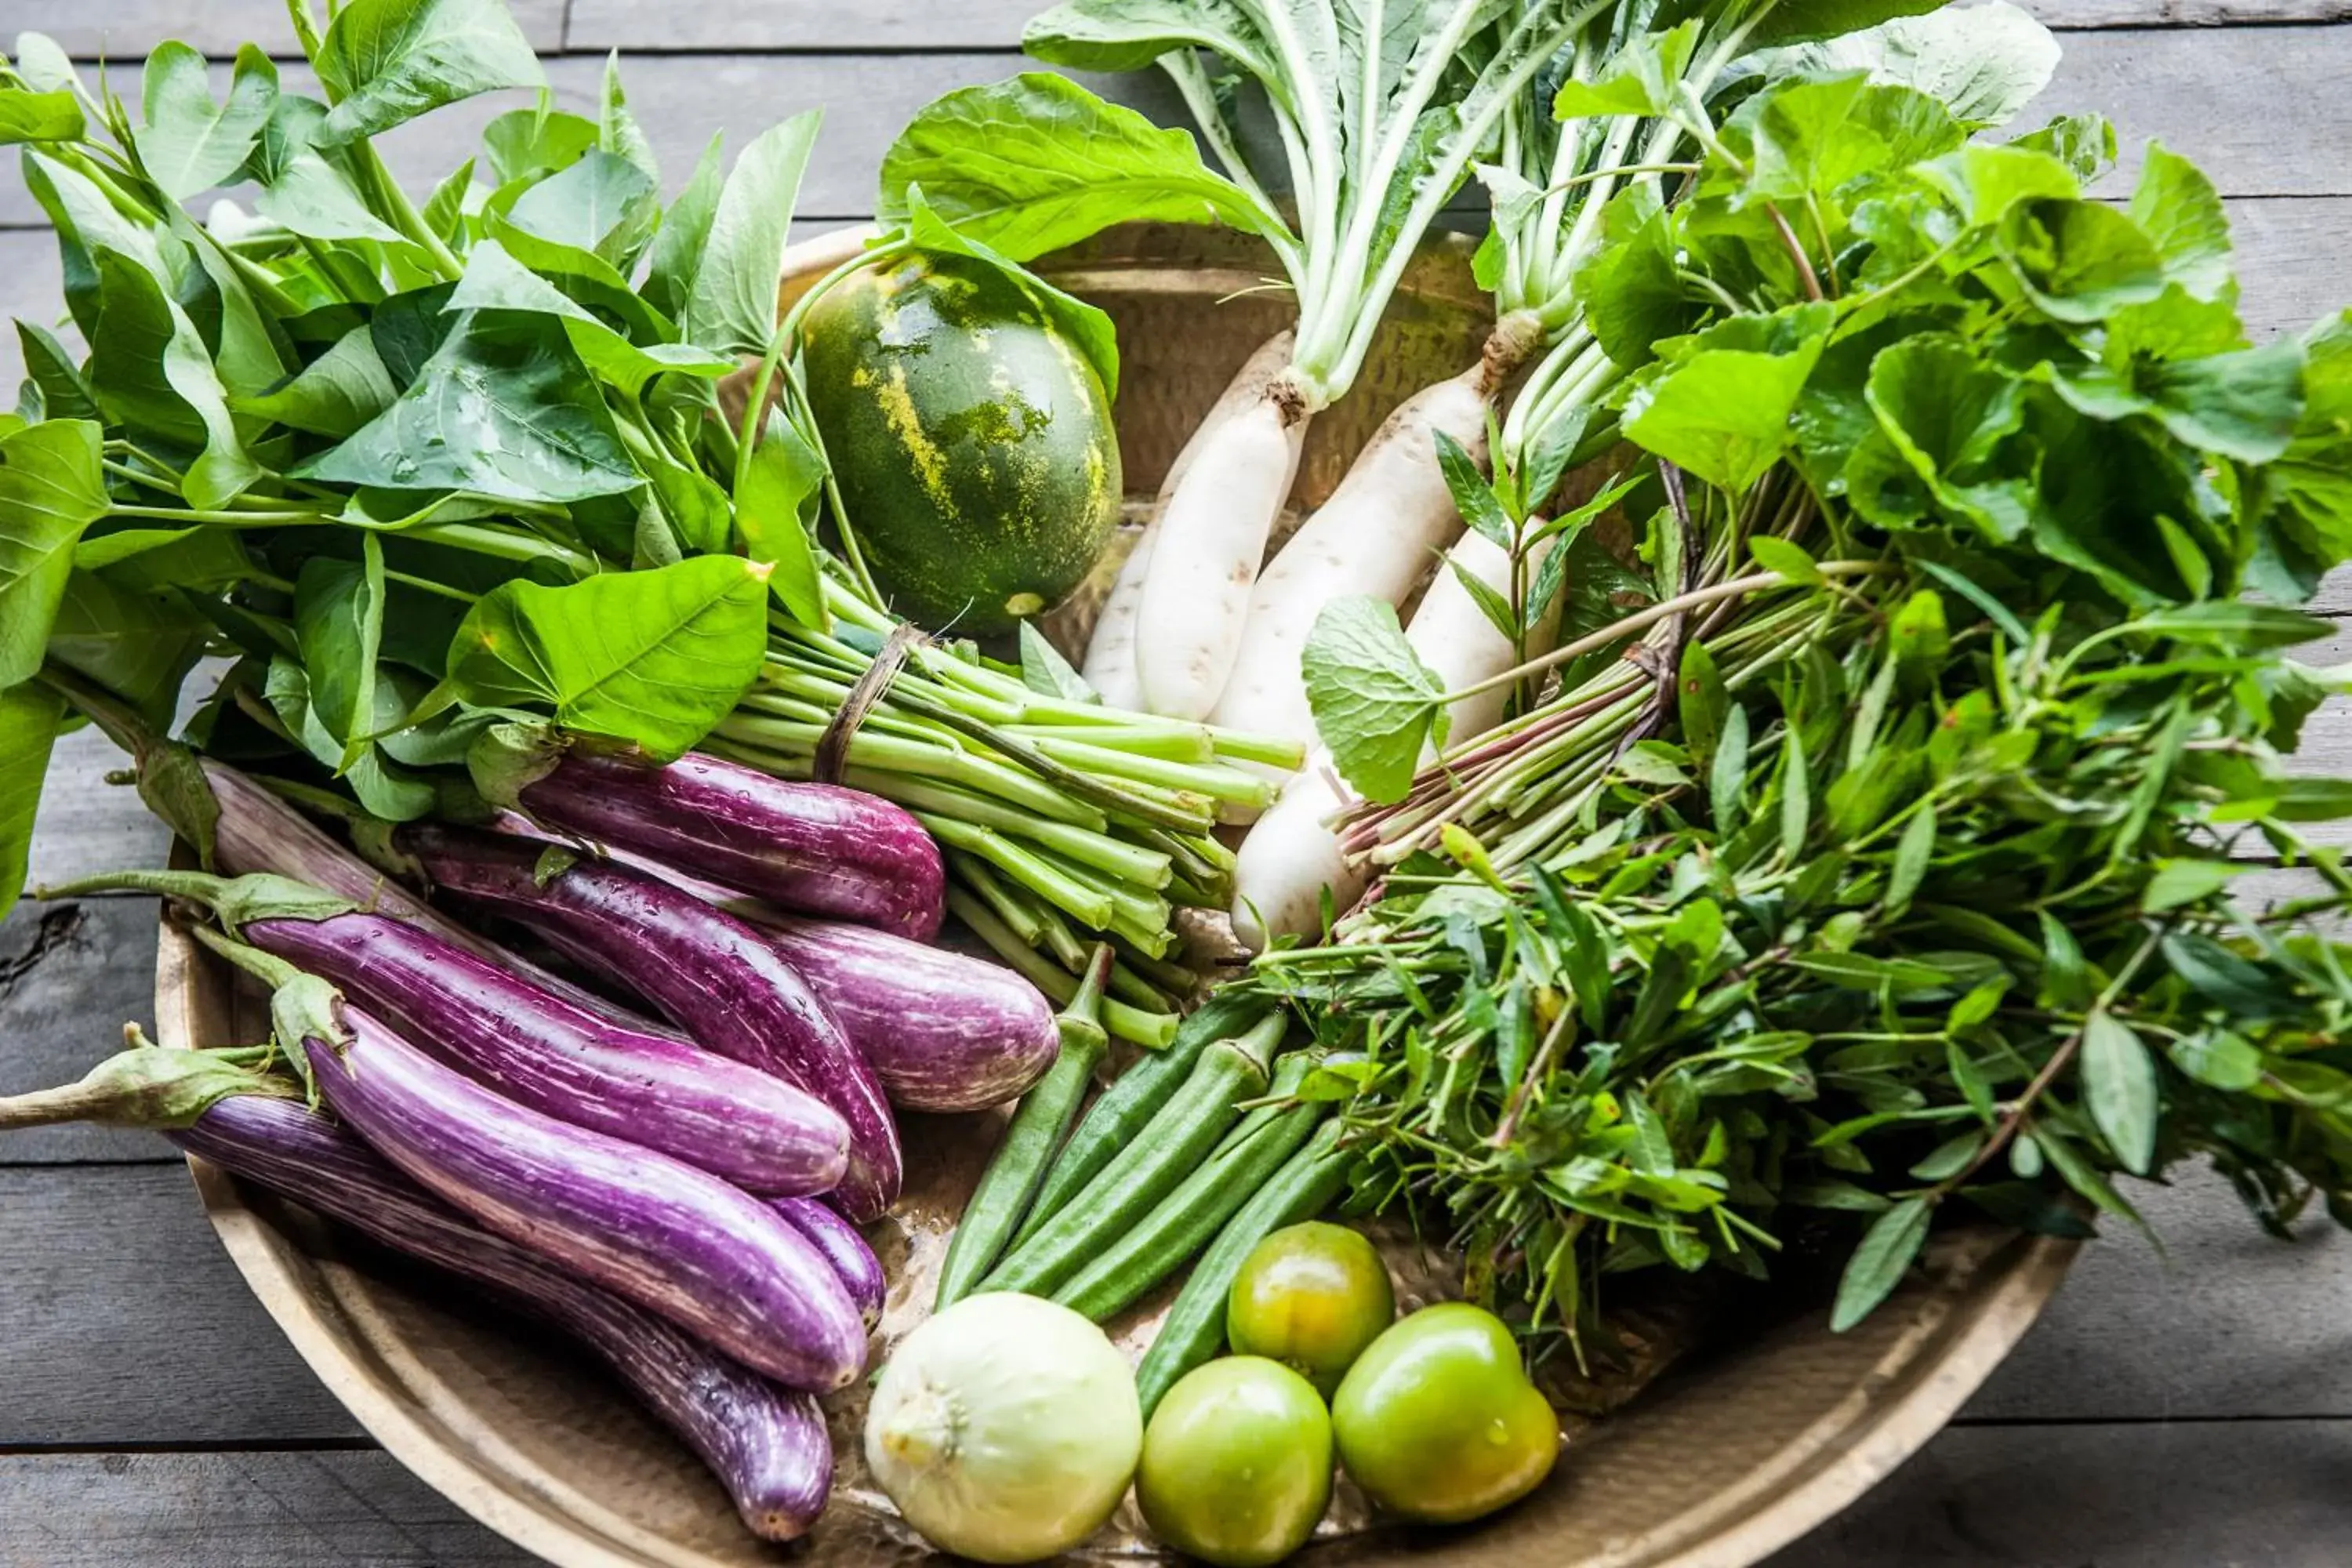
973,443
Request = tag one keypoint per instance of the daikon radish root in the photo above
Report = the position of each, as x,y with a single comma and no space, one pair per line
1188,627
1375,536
1293,853
1109,665
1291,856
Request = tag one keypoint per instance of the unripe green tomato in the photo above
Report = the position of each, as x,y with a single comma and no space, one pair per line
1438,1422
1236,1463
1311,1297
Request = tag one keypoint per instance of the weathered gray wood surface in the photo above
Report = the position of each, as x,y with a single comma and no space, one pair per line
2184,1410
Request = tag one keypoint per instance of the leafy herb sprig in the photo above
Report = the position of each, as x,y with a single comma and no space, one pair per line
1884,857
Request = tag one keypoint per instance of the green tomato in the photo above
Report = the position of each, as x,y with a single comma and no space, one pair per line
1438,1422
1236,1463
1311,1297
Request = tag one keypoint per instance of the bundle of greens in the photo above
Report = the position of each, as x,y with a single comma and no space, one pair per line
424,468
1885,855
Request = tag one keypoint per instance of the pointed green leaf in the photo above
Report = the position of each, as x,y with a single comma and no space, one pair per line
51,488
29,715
189,143
1878,1264
655,657
1374,700
385,62
733,303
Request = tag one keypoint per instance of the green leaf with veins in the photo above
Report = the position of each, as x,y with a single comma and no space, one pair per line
334,395
35,117
773,510
1129,35
2181,212
51,488
2080,260
1879,1262
677,249
597,204
307,190
733,303
385,62
1036,163
1642,78
527,144
1044,670
1376,704
1983,64
587,278
29,717
503,408
338,626
1722,414
1474,497
138,645
383,788
617,131
2120,1090
1811,138
189,143
65,392
1985,179
495,280
654,657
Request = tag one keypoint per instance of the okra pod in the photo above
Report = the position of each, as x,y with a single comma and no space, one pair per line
1174,1144
1195,1324
1036,1131
1126,1108
1189,1219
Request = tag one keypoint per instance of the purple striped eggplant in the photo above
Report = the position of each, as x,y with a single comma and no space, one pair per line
944,1031
751,1127
258,832
844,1246
812,848
717,978
767,1445
675,1240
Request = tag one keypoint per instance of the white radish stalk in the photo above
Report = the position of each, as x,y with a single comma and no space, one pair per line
1212,536
1375,536
1293,853
1110,653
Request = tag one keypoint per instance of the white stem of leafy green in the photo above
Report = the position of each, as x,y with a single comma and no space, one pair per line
1319,149
1183,67
1333,377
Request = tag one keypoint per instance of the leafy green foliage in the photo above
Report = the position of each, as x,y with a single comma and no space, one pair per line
190,144
733,302
655,657
1036,163
29,715
51,488
1374,700
385,62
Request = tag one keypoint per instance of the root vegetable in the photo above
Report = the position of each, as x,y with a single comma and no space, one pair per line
1109,666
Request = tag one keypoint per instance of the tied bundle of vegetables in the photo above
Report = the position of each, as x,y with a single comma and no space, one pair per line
1884,857
427,467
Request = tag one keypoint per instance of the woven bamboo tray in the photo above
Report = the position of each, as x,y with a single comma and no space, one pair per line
1726,1458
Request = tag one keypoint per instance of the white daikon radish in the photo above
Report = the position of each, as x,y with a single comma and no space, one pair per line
1188,627
1293,853
1376,536
1291,856
1109,666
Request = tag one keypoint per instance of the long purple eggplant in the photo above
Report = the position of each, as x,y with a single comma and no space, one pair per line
813,847
258,832
945,1032
767,1445
717,978
843,1247
535,1047
675,1240
751,1127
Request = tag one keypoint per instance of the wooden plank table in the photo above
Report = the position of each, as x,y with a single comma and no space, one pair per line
2189,1409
